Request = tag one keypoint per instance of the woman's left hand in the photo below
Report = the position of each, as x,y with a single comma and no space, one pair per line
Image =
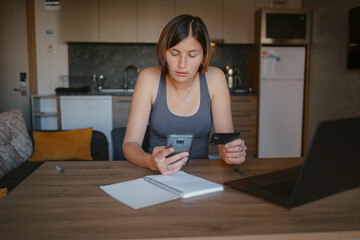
234,152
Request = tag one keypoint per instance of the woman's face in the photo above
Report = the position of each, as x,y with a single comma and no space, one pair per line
183,59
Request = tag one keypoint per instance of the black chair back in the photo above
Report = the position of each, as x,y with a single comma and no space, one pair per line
99,146
118,135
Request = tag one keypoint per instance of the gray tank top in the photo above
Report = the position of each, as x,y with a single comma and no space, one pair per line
164,122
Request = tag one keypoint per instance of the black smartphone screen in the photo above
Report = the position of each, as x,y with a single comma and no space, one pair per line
180,143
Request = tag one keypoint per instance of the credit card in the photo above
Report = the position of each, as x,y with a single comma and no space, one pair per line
223,138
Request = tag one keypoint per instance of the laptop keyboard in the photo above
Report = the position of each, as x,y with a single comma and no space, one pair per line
283,189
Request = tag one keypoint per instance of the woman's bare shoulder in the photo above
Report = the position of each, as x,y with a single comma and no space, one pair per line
215,71
147,82
215,78
150,73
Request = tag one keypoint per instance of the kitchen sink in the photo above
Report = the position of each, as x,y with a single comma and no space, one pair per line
119,90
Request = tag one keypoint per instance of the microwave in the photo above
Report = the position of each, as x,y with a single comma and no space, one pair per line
283,26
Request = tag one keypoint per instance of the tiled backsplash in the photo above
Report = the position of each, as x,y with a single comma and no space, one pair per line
111,60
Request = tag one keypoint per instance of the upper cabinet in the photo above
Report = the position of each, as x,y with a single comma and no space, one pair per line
239,21
210,11
80,20
152,17
143,20
118,20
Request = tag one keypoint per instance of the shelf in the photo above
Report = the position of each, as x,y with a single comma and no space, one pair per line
45,114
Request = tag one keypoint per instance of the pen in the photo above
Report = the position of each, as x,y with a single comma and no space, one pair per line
59,169
242,172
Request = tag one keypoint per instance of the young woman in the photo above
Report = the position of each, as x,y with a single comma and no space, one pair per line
181,96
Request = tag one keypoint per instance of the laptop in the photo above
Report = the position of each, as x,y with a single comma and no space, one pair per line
332,165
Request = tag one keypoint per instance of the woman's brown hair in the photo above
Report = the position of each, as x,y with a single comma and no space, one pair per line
177,30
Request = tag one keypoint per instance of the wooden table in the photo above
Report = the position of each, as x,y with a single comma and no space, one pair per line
51,205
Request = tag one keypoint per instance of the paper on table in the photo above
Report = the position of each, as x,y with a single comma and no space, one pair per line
184,184
138,193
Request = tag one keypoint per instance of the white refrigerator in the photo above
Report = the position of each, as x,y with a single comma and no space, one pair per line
281,101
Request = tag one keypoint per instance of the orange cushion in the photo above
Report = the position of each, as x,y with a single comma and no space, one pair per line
62,145
3,192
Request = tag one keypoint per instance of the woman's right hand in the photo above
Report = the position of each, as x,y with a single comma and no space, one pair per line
167,165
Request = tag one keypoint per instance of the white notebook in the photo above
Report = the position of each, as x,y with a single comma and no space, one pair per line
155,189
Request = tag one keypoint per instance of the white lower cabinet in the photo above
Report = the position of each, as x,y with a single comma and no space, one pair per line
88,111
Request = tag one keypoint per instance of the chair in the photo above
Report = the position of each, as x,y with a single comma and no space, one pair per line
117,137
99,146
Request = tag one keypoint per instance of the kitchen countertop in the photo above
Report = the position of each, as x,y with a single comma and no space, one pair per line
130,93
96,93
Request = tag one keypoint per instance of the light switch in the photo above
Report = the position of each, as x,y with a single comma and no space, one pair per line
51,48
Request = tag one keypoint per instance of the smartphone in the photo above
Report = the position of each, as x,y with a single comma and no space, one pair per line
180,143
223,138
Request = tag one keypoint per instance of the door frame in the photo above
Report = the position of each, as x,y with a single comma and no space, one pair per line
31,39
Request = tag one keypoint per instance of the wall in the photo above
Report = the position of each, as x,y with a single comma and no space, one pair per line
51,62
111,59
334,91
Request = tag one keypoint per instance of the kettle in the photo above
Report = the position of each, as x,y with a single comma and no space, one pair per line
229,74
233,78
99,81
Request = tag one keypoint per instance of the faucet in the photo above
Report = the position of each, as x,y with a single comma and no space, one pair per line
126,75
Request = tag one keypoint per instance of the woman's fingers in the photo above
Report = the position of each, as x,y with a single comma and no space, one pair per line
235,151
168,165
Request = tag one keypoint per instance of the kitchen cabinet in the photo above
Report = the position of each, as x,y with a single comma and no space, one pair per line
45,112
152,17
143,20
80,20
238,24
121,110
118,21
244,113
211,12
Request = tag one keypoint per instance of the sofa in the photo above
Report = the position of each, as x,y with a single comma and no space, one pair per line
23,151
